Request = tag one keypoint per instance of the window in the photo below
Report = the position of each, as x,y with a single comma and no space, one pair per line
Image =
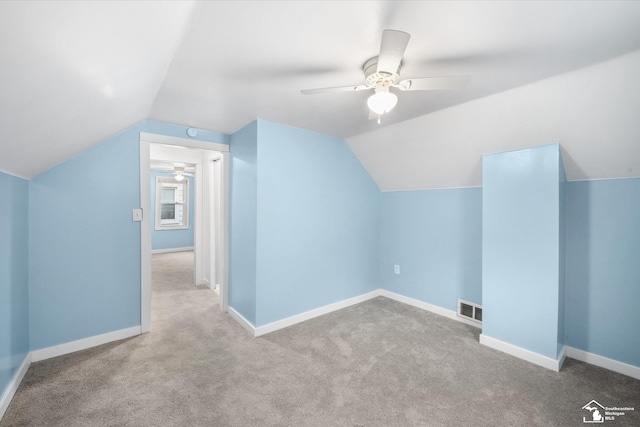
172,204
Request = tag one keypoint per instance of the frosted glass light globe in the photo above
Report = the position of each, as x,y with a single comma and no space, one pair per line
382,102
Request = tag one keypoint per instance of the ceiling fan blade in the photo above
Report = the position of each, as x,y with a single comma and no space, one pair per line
392,48
335,89
434,83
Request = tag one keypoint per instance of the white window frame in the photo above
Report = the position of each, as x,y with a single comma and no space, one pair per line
163,182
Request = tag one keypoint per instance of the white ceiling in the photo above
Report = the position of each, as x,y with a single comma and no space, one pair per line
74,73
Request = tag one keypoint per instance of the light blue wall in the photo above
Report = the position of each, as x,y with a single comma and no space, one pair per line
242,221
317,223
521,248
603,268
84,248
324,236
14,276
435,236
169,239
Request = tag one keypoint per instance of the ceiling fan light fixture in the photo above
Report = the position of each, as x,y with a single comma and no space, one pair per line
382,102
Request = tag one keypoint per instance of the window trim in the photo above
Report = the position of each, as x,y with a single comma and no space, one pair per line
160,181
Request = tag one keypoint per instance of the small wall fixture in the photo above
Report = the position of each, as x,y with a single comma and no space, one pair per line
179,171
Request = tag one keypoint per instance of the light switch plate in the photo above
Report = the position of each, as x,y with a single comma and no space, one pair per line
137,215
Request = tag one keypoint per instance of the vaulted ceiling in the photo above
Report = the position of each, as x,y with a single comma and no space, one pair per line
75,73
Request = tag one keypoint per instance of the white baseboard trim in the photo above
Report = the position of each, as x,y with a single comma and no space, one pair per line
562,357
604,362
164,251
241,320
290,321
521,353
83,344
5,400
428,307
538,359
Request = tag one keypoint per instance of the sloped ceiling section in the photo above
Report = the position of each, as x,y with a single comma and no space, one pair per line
76,73
592,112
244,60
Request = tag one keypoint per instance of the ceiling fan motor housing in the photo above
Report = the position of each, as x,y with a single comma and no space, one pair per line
372,76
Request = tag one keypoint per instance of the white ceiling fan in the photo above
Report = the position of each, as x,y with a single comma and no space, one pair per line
382,72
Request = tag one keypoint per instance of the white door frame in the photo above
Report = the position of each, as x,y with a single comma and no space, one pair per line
145,226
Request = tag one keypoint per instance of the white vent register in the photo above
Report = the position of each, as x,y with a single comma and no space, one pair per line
470,311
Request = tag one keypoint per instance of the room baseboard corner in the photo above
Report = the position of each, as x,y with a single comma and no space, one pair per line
562,356
604,362
14,384
428,307
241,320
521,353
83,344
307,315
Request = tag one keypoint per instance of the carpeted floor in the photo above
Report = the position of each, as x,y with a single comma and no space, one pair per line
379,363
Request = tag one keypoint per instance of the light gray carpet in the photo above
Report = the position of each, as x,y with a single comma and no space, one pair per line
379,363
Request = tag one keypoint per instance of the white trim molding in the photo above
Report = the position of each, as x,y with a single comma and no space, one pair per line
183,142
145,141
519,352
241,320
14,384
298,318
167,250
428,307
604,362
562,357
524,354
292,320
83,344
145,236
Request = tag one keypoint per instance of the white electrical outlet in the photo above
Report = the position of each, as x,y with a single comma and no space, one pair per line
396,269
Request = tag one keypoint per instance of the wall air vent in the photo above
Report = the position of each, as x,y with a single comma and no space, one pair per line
470,311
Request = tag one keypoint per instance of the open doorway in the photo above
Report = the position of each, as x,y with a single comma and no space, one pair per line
207,214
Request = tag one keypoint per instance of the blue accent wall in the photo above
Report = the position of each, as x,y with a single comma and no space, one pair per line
435,236
242,221
603,268
14,277
84,248
309,227
169,239
521,248
317,223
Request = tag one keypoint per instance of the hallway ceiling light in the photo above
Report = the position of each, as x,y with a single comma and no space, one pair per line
179,171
